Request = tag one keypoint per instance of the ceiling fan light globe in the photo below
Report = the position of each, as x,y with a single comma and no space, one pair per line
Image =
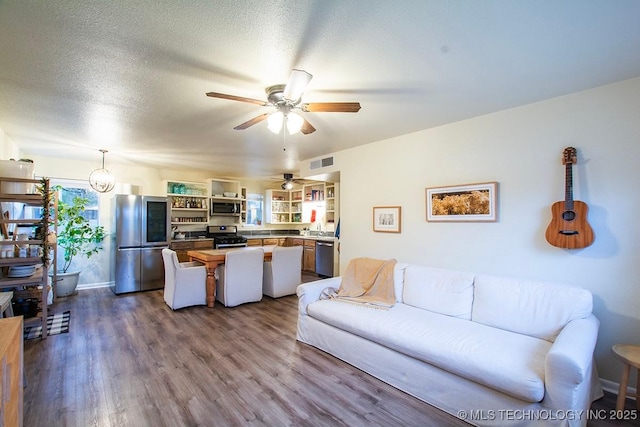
294,123
274,122
101,180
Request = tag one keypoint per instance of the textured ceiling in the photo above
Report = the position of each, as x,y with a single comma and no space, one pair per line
131,76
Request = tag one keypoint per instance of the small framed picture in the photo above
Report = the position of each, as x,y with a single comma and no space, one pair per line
470,202
387,219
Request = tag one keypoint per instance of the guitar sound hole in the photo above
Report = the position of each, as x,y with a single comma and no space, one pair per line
568,215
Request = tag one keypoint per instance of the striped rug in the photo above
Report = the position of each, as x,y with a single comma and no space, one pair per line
56,324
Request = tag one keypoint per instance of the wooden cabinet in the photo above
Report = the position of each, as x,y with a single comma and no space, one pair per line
11,371
189,202
309,256
181,247
295,242
37,241
254,242
269,241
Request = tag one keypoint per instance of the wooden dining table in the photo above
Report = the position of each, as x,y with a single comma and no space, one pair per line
211,258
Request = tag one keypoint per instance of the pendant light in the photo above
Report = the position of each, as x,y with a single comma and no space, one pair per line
101,179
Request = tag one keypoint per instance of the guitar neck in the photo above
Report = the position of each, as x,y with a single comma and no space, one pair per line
568,187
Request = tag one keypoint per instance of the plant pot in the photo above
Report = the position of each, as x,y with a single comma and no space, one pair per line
66,284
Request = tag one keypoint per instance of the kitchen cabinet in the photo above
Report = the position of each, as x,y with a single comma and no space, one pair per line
283,206
11,371
189,202
294,242
309,256
226,191
330,205
278,206
296,206
243,205
320,203
36,283
268,241
254,242
181,247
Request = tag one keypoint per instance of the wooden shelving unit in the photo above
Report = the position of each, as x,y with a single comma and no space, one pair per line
41,198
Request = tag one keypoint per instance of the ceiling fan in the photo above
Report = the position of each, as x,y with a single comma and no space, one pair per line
288,181
285,99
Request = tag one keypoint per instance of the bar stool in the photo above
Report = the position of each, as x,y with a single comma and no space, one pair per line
630,356
6,309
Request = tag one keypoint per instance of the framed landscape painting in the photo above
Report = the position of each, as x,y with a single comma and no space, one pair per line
470,202
386,219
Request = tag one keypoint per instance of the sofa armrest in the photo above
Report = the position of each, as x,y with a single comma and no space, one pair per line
310,292
569,365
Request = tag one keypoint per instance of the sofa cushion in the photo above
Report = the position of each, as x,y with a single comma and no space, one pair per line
439,290
538,309
508,362
398,279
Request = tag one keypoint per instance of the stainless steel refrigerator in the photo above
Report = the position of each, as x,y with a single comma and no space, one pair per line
140,230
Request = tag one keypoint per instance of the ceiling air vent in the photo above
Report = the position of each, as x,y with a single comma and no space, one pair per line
321,163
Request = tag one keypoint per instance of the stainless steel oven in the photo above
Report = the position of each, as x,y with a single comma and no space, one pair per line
226,236
230,245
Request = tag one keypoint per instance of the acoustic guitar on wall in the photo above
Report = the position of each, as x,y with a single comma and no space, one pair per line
569,228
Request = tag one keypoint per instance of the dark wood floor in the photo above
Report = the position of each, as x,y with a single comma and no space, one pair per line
130,361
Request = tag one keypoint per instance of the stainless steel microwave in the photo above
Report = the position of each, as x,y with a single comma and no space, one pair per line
224,208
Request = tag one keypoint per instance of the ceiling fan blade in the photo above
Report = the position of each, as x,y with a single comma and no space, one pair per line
307,128
331,107
298,81
236,98
252,122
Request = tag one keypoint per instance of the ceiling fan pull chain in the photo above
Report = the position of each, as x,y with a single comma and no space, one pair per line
284,141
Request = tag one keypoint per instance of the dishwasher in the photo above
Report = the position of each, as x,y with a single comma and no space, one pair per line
324,258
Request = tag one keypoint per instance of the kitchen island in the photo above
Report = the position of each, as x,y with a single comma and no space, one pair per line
211,258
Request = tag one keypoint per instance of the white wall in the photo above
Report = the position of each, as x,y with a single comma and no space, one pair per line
521,148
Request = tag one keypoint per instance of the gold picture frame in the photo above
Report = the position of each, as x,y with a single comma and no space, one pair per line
463,203
387,219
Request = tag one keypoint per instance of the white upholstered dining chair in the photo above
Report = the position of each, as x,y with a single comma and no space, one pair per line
283,273
185,283
239,279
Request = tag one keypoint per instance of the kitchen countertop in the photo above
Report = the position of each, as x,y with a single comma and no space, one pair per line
282,236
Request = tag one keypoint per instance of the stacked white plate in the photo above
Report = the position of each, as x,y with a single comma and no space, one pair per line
21,271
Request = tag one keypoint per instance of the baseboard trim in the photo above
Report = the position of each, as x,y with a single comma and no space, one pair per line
94,285
612,387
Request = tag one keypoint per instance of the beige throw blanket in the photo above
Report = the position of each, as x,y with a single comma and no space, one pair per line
368,281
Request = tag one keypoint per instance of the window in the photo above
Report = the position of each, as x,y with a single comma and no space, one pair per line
254,209
76,188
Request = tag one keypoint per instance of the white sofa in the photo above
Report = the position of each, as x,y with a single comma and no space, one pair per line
490,350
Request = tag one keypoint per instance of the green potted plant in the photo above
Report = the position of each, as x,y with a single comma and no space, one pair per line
77,237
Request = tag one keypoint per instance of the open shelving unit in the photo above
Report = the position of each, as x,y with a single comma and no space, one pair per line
189,202
45,199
